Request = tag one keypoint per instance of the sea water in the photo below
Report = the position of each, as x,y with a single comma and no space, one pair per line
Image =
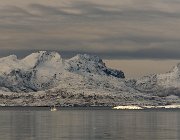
88,124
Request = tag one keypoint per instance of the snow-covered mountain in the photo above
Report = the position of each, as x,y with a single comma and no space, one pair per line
44,78
163,85
44,70
170,79
86,64
35,72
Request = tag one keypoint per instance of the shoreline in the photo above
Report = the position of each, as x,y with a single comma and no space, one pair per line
59,108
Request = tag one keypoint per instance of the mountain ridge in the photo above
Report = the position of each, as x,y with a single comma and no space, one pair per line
45,78
45,68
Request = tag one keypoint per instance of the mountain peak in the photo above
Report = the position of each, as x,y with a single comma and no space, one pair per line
89,64
176,68
86,57
40,57
10,57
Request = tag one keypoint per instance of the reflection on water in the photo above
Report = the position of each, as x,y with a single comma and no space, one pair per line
90,125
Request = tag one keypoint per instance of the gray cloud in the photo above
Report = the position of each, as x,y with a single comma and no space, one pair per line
49,10
135,30
139,54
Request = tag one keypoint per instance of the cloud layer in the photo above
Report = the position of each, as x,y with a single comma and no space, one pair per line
133,29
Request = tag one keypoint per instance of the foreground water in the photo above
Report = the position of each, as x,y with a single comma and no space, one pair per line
91,124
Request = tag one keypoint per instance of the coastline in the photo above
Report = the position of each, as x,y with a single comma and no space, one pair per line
59,108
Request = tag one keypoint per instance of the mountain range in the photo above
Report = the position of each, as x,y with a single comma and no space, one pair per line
44,78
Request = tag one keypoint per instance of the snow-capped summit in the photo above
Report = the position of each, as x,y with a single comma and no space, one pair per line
9,58
86,57
41,57
8,63
88,64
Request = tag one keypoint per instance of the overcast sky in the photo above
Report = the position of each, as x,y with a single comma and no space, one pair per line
112,29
